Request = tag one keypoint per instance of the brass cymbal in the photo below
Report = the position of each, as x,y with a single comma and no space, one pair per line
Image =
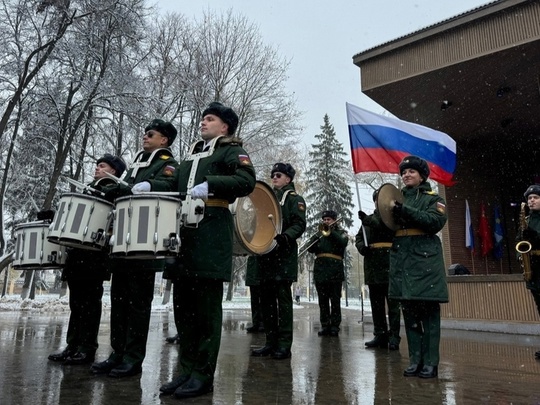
387,195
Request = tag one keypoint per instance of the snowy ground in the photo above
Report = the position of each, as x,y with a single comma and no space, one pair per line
52,303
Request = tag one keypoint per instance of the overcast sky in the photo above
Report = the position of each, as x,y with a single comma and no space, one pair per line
321,37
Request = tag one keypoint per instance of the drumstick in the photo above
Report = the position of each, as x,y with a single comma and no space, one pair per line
83,186
271,218
117,179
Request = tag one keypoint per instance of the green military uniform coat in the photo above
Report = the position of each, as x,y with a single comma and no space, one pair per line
533,225
278,269
85,271
206,256
376,270
132,287
416,262
328,274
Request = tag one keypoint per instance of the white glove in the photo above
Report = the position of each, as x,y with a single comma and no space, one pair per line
200,191
143,187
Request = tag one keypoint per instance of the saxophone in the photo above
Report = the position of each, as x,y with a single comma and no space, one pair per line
524,247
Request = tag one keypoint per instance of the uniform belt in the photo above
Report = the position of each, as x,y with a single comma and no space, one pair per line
381,245
535,252
410,232
330,255
217,202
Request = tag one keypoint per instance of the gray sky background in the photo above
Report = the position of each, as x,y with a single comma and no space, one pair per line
320,38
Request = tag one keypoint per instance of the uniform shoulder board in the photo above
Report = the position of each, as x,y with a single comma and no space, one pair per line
165,157
430,192
293,193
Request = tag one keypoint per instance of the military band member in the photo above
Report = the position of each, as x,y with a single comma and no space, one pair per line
531,234
376,252
217,171
279,268
328,273
417,272
85,271
132,285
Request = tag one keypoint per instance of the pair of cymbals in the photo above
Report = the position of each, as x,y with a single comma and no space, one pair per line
387,195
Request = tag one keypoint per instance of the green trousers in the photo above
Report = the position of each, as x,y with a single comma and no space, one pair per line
256,307
276,299
423,328
378,297
132,293
329,294
85,305
198,316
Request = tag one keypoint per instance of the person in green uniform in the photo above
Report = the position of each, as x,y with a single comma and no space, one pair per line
253,281
215,173
132,284
376,252
417,272
328,272
85,271
532,234
278,269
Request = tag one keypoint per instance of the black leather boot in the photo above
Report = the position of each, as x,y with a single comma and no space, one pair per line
379,341
429,372
413,370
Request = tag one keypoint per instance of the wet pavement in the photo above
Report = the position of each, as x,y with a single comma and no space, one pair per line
476,367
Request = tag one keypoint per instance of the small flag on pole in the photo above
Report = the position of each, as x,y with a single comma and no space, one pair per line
379,143
469,233
498,233
484,232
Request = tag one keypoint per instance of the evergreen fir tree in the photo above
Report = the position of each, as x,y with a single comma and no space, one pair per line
327,187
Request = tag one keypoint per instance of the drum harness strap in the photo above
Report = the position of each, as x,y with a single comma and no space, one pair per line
192,212
282,202
138,164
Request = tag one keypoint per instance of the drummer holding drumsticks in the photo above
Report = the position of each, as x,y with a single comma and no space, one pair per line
216,172
132,285
85,271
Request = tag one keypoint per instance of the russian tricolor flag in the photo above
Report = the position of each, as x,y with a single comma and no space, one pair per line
378,144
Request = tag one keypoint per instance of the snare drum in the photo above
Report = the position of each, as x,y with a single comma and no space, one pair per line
32,249
257,219
146,226
81,221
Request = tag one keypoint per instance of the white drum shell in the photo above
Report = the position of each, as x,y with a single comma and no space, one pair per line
32,249
81,221
146,226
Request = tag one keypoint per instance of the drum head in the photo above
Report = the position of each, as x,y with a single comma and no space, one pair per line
388,193
257,219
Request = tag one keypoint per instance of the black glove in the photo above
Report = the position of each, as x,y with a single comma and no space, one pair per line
397,210
282,239
45,215
530,234
361,215
365,251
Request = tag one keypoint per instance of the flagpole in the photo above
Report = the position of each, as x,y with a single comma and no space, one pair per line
365,242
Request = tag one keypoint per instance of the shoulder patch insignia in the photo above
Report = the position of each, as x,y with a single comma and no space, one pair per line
169,170
244,160
301,206
441,207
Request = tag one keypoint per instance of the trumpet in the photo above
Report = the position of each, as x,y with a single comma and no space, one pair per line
324,231
524,247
